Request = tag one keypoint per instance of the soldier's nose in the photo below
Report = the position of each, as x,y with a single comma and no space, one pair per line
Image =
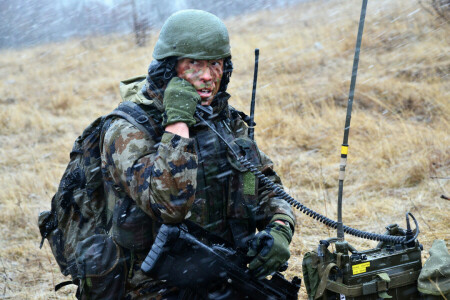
206,74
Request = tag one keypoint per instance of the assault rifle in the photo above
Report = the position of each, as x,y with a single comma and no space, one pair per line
182,259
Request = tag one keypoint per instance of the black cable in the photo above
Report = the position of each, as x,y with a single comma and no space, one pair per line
408,229
309,212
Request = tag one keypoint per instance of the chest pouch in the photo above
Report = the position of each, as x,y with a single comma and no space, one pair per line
248,149
243,196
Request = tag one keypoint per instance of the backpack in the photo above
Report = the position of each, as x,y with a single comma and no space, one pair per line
79,207
434,278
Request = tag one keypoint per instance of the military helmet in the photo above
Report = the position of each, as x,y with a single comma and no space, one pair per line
193,34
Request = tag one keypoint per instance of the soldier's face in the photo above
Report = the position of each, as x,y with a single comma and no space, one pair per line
204,75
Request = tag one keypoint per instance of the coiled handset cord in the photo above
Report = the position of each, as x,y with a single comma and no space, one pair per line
307,211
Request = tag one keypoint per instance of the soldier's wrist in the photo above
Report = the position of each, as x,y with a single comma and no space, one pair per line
284,218
174,142
282,222
178,128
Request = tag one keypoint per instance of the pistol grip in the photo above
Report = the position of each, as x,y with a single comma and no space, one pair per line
165,239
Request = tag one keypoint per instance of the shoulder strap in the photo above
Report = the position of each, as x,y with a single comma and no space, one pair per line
134,114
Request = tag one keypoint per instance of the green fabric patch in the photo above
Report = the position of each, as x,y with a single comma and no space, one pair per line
249,183
89,282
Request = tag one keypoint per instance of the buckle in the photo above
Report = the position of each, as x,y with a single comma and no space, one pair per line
142,119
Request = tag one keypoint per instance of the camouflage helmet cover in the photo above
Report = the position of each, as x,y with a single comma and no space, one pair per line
193,34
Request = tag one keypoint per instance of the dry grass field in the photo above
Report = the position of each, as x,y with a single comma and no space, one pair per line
399,157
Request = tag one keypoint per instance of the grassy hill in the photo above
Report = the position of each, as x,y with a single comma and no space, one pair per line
399,157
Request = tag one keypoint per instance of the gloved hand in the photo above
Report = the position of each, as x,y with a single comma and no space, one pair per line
180,101
270,249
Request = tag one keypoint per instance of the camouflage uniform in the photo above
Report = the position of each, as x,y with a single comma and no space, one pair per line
149,182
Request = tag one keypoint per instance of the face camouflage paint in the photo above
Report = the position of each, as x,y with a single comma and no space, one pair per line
204,75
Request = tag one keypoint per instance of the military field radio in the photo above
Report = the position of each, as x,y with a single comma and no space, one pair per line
390,270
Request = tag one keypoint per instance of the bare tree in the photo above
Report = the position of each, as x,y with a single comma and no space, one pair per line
440,8
140,26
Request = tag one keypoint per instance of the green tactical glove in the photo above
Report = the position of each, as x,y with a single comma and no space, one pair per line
270,249
180,101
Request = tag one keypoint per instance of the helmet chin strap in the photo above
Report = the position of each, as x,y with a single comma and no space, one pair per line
227,71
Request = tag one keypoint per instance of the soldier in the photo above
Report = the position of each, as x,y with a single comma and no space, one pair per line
189,173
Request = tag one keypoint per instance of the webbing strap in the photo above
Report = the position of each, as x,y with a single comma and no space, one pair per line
324,280
134,114
339,259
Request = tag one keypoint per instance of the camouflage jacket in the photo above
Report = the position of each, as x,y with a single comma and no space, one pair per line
149,182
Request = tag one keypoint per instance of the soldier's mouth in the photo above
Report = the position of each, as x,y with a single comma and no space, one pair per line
204,93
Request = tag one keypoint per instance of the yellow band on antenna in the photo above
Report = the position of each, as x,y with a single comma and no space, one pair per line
344,150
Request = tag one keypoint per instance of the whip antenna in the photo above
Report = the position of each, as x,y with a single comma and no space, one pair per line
344,149
251,128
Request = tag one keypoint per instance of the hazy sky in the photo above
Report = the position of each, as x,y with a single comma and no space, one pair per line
30,22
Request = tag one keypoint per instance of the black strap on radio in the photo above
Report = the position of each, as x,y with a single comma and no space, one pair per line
344,149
